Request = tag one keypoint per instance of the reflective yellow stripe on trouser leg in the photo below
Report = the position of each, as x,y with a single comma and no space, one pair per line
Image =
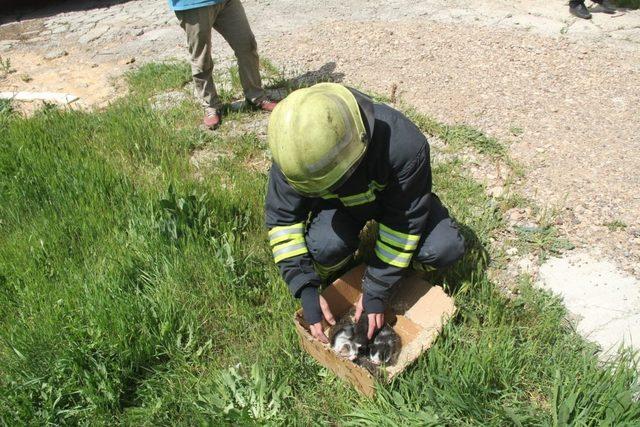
392,256
418,266
403,241
326,272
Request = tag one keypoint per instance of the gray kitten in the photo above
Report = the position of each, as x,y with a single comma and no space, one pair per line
349,339
385,347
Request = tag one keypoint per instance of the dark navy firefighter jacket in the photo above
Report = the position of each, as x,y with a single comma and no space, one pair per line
392,185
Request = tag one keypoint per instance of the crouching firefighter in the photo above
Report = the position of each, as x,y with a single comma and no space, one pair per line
339,160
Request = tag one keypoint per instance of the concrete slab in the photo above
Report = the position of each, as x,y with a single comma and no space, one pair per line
604,301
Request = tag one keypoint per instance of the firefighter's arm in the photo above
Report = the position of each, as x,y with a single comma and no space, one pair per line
286,214
406,202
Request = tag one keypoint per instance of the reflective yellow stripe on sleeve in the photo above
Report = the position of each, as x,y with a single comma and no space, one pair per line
286,232
289,249
287,241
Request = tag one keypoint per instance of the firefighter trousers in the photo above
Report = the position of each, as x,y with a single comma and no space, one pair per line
332,238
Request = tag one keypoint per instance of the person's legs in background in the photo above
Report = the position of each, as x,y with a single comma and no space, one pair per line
233,25
197,24
577,8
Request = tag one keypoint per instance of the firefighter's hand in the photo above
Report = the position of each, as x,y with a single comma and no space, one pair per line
315,308
376,320
316,328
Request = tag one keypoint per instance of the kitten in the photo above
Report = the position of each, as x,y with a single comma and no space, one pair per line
349,339
385,347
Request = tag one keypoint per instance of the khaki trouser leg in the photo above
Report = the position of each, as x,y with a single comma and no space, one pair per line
233,25
197,24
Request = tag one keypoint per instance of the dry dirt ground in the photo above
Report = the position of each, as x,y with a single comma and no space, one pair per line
563,93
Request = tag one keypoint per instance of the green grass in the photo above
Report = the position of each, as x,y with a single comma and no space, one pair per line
543,239
516,130
459,136
5,67
154,77
615,225
134,292
7,110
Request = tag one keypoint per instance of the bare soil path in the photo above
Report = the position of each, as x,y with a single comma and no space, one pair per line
563,93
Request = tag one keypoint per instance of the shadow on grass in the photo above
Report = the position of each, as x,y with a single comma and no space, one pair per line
468,270
279,86
326,73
